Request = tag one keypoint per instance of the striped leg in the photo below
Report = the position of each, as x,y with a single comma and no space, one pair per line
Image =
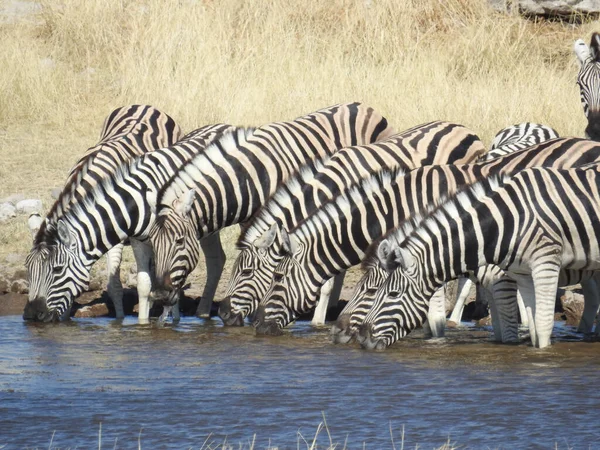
487,296
464,287
328,297
115,287
143,254
545,281
504,293
522,310
436,315
214,257
527,292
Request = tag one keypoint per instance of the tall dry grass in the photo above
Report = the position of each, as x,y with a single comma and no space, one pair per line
248,62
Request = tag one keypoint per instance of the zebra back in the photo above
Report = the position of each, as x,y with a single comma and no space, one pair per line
127,132
518,137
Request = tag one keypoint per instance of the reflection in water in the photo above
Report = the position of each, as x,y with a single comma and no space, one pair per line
180,384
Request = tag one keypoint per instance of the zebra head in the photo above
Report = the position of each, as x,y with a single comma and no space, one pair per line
56,271
251,276
392,314
589,83
290,292
358,306
176,246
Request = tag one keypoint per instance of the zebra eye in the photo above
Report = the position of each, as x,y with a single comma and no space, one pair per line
56,270
371,291
247,272
180,241
394,294
278,277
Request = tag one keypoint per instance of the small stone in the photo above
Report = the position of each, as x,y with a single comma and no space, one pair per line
451,324
572,304
7,211
97,310
29,206
132,280
485,322
133,269
4,286
55,193
19,287
95,285
13,199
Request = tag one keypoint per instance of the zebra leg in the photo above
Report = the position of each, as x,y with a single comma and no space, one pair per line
464,287
214,258
436,315
591,298
336,291
321,309
115,287
143,255
485,294
545,282
527,293
504,294
522,309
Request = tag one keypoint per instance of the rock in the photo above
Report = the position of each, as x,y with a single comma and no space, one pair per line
96,310
451,324
13,199
572,304
12,304
548,8
19,287
7,211
95,285
484,322
131,280
4,285
29,206
20,273
55,193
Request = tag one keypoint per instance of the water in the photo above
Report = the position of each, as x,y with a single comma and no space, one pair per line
198,384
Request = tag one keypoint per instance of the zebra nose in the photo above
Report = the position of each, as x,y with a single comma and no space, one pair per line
593,128
36,310
166,282
227,316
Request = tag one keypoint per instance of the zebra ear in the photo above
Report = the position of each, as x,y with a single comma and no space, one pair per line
151,198
267,238
403,259
34,222
581,50
288,242
383,252
64,235
183,205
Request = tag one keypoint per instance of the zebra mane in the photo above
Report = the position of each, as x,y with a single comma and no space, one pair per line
350,197
595,47
227,142
286,194
420,223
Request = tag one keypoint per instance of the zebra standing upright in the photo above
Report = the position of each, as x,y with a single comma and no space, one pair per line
431,143
128,132
589,83
538,223
104,216
324,250
235,176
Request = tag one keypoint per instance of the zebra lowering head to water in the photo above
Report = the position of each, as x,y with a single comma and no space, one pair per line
508,140
235,177
115,209
328,253
589,83
431,143
532,226
128,132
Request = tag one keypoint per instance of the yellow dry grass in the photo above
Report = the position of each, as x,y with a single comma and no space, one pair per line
68,64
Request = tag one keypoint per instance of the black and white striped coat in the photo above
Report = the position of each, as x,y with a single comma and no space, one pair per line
329,250
589,83
127,132
518,137
539,222
431,143
235,177
115,209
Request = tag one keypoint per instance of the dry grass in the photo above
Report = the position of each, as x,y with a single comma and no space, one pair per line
243,62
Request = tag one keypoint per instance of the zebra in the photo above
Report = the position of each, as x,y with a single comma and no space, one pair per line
322,255
533,225
436,142
113,210
507,140
127,132
589,83
235,177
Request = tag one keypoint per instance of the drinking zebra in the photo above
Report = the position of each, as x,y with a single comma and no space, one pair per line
235,177
507,140
108,213
533,225
431,143
589,83
127,132
329,244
